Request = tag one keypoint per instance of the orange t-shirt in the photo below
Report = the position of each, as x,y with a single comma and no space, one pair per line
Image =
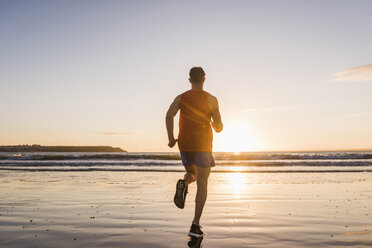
195,131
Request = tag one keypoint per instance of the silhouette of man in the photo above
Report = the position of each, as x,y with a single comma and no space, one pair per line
197,110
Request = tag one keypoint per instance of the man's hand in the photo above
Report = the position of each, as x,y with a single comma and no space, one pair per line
172,143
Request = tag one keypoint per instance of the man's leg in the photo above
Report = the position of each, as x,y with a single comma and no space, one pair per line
190,175
202,191
181,187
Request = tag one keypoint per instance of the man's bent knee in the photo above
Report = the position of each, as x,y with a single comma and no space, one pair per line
192,177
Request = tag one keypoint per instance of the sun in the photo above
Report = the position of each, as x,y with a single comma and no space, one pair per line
236,137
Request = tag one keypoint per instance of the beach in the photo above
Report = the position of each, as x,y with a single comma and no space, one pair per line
104,103
135,209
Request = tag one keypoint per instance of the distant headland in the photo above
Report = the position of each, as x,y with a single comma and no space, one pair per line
40,148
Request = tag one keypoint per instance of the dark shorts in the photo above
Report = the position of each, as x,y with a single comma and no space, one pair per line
202,159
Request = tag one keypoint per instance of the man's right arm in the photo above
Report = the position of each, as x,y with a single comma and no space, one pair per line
216,116
172,111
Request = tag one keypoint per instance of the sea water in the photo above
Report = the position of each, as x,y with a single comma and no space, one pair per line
273,162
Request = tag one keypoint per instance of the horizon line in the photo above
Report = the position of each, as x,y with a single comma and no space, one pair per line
252,151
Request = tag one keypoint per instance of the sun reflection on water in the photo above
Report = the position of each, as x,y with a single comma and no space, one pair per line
237,182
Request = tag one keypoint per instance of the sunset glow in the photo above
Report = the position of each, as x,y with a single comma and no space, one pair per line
236,137
73,76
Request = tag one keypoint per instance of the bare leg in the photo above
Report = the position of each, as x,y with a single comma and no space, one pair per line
202,191
190,175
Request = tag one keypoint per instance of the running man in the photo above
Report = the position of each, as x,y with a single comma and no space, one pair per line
195,137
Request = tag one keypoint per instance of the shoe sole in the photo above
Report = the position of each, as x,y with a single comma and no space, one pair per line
195,235
179,200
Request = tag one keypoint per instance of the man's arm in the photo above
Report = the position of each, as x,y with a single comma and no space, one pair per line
172,111
216,116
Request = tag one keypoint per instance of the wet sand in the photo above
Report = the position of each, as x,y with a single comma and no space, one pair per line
135,209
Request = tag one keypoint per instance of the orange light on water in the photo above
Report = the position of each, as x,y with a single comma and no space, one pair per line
237,183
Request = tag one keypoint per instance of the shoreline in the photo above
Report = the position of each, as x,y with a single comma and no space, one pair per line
181,170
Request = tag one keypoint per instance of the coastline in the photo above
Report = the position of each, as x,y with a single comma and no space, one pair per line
40,148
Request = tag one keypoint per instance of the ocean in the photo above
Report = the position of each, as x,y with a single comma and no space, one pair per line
269,162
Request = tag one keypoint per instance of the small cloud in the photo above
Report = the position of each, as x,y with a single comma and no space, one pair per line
278,109
117,133
360,114
273,109
249,110
357,74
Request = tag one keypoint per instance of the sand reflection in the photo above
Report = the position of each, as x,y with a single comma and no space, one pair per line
195,242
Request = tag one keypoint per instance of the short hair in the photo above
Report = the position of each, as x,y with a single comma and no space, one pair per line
197,74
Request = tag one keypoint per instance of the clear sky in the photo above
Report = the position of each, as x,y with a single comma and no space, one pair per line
289,75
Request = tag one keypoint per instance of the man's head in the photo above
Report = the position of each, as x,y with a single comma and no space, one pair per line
197,75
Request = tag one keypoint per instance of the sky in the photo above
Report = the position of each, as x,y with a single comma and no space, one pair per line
289,75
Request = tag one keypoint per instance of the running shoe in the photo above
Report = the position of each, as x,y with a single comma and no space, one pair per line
181,192
195,231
